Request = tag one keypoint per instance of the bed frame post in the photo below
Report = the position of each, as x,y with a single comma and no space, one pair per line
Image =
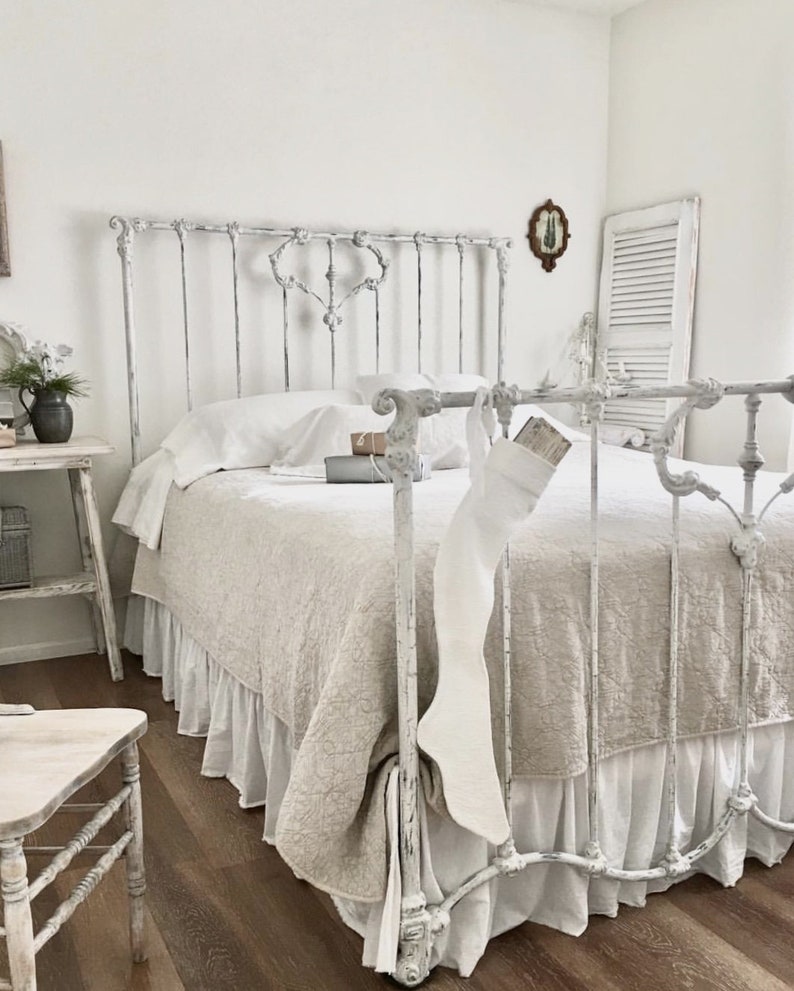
595,412
125,242
416,937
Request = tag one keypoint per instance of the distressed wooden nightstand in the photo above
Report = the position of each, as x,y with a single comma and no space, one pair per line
76,457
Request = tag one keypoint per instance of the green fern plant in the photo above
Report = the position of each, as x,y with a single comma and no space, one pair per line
39,369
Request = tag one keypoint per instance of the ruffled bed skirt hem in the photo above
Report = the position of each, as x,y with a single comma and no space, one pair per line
253,749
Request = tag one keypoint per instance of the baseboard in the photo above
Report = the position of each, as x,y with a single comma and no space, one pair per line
42,651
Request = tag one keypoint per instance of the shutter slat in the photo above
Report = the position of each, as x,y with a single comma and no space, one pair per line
639,321
641,306
644,316
646,235
652,250
648,265
626,281
640,293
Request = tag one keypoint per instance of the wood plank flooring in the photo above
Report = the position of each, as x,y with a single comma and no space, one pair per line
225,914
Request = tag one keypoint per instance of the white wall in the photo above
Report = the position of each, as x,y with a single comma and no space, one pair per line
702,101
418,114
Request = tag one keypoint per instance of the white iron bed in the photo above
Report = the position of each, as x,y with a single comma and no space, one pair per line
268,611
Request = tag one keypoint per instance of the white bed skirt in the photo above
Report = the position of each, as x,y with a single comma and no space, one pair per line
253,749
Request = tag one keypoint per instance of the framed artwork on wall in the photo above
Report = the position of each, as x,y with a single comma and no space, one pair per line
548,234
5,257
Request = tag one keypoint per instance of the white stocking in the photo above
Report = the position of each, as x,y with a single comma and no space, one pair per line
456,729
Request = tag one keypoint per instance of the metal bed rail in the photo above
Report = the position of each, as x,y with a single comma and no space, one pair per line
422,923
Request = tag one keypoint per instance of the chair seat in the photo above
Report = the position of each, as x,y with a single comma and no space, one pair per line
47,756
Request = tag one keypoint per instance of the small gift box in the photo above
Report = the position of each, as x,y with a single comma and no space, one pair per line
8,436
368,442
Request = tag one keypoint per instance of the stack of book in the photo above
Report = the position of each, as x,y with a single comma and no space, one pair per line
368,463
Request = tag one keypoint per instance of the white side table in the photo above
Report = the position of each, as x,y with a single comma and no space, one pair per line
75,456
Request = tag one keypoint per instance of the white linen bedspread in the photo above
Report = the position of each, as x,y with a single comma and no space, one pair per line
289,584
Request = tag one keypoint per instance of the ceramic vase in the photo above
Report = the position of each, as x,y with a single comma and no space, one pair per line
50,416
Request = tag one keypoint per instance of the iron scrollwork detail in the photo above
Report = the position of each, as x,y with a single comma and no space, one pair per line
504,398
687,482
332,318
127,228
403,432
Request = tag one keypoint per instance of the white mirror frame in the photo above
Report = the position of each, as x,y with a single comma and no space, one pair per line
15,339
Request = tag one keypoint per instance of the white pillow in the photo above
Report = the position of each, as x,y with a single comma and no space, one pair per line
326,432
240,433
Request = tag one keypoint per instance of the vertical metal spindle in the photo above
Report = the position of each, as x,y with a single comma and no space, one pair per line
331,317
747,547
671,781
234,235
407,674
377,328
744,681
418,241
593,742
503,263
285,325
182,227
507,780
751,459
460,242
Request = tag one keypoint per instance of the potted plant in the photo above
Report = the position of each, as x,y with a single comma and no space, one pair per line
39,372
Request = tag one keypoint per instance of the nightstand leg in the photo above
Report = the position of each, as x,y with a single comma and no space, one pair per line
86,555
100,570
16,916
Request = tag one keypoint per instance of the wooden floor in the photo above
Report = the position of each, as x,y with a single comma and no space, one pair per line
225,914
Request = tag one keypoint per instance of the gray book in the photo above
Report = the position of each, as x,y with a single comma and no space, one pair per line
359,468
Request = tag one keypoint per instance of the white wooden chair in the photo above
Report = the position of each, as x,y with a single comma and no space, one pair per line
45,757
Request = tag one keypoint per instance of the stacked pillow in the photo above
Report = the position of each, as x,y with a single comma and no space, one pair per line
325,432
241,433
235,433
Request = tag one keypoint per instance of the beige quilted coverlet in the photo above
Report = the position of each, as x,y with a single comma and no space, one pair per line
288,583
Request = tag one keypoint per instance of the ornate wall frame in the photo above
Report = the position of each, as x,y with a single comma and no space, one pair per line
5,257
548,234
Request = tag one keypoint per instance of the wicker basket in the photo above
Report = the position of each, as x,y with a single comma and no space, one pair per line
15,558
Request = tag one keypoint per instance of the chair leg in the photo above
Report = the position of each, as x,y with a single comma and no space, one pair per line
16,915
136,874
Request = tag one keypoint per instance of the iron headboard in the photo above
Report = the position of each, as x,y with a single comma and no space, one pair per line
331,304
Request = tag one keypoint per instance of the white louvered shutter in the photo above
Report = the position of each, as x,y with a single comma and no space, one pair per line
646,304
